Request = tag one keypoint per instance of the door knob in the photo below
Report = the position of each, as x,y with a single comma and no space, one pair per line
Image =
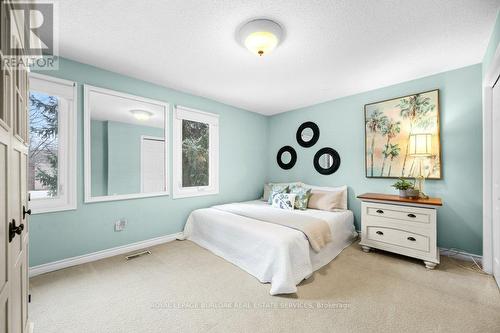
13,230
26,212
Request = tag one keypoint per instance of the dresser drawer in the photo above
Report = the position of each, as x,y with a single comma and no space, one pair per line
409,214
398,237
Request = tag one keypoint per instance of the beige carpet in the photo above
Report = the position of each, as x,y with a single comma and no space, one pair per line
184,288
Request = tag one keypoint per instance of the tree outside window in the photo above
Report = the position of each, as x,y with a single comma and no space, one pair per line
43,149
195,155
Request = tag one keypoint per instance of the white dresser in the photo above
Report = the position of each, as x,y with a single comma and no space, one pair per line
400,225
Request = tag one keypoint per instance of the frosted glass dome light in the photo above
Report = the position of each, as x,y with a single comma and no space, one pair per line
260,36
141,115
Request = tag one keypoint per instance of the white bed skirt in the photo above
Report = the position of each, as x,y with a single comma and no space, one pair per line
272,253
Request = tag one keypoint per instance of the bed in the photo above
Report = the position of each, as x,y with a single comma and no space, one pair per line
270,252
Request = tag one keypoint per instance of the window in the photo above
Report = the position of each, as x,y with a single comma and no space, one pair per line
52,148
196,153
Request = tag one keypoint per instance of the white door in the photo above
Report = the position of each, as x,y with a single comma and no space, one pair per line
152,165
4,222
496,182
13,190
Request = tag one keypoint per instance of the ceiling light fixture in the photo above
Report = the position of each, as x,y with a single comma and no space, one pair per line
260,36
141,115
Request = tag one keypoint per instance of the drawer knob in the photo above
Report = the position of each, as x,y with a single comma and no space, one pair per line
411,239
380,211
379,233
412,215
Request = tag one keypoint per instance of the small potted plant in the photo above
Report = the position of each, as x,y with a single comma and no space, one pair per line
406,188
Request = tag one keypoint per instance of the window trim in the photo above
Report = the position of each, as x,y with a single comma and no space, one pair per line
88,198
212,119
66,201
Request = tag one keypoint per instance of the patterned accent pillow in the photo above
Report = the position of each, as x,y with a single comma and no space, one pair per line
268,186
302,196
277,189
284,201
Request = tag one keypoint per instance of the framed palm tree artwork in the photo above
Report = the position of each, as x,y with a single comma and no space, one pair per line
391,126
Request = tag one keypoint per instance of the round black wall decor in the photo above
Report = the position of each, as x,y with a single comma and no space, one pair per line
307,134
326,161
286,158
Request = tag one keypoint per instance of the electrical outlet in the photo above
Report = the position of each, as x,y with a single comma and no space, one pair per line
120,224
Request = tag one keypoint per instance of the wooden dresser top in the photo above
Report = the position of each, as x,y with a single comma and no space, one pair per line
397,198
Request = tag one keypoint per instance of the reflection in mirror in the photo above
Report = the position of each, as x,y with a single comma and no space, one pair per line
286,157
127,144
326,161
307,134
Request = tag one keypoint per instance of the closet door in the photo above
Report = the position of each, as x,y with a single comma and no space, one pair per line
496,182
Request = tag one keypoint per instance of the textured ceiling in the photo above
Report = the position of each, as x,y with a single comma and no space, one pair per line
332,48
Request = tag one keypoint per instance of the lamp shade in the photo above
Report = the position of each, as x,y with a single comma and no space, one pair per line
420,145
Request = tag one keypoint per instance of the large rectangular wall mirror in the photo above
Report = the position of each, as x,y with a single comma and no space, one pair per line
125,146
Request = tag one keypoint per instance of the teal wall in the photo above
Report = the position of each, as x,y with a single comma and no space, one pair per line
248,146
99,157
341,125
243,147
492,45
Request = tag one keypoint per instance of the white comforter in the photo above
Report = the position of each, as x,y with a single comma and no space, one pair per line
270,252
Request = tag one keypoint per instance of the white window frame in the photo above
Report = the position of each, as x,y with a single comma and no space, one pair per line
67,138
184,113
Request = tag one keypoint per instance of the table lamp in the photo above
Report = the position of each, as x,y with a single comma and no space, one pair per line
420,148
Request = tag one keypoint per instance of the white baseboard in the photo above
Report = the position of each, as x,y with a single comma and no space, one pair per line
60,264
460,255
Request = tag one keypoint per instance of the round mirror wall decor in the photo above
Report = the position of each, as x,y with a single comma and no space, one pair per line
307,134
286,157
326,161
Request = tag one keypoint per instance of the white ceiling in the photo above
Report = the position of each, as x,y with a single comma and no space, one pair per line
106,107
332,48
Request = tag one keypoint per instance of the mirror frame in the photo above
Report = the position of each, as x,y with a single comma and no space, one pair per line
88,198
336,161
315,137
293,157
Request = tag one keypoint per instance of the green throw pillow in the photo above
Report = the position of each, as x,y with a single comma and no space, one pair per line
302,196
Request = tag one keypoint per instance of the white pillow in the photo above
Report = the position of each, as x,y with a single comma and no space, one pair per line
342,189
268,187
284,201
